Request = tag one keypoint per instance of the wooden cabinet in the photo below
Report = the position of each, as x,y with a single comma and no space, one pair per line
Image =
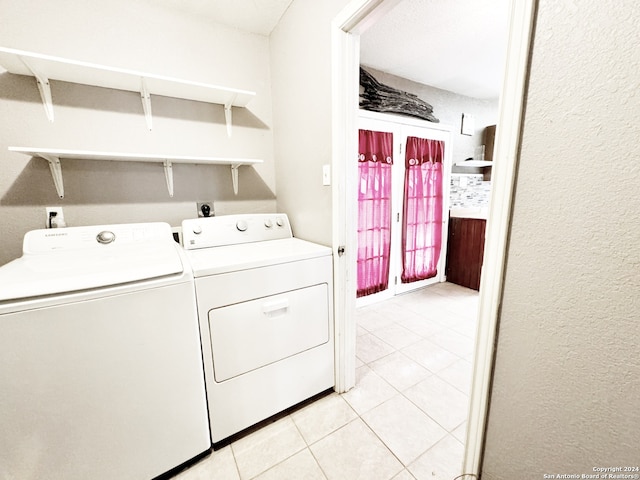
465,251
489,139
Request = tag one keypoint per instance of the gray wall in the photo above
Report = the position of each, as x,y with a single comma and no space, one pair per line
301,77
567,374
141,36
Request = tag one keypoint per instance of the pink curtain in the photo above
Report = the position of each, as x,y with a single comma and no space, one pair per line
374,210
422,229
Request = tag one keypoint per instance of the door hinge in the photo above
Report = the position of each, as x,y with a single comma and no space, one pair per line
395,280
341,250
398,217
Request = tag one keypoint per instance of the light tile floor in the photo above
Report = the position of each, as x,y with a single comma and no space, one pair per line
405,418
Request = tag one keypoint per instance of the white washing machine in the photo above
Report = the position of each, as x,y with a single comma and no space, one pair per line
101,373
265,304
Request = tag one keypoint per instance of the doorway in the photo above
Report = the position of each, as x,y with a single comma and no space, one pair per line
345,59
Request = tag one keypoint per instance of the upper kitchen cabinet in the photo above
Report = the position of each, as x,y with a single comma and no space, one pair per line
489,137
48,67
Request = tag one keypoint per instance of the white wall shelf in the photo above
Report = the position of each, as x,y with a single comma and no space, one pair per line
474,163
53,156
47,67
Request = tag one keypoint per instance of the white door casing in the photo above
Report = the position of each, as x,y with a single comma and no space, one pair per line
346,28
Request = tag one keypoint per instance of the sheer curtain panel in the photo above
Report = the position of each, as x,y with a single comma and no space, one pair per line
423,201
375,159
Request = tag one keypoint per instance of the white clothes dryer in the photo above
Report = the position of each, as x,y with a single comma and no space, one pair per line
265,304
101,373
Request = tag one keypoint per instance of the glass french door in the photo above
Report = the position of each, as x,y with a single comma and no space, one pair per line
416,216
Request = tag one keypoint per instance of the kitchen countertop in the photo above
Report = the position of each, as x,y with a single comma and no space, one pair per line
469,212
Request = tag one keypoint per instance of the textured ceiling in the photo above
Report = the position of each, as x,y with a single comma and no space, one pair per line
453,45
257,16
457,46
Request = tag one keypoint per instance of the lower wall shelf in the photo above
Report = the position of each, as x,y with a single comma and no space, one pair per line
53,156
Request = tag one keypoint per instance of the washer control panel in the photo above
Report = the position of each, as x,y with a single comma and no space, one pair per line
222,230
95,237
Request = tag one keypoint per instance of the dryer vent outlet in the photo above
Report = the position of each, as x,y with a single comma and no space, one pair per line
205,209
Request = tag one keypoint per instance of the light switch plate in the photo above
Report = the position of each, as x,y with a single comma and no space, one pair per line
326,175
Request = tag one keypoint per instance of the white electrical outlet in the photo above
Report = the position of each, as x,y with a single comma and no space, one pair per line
55,218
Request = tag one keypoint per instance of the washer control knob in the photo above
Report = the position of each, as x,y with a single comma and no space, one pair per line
197,229
105,237
268,223
280,221
241,225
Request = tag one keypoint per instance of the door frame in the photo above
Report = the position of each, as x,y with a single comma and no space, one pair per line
346,28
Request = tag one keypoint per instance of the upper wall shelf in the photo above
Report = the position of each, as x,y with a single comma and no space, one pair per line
47,67
53,156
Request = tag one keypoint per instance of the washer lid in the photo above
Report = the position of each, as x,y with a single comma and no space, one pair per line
231,258
70,267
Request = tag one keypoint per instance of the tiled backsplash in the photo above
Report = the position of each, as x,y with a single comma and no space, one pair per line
469,191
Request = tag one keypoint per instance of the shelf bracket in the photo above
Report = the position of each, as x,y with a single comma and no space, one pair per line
227,114
168,175
234,177
146,103
56,172
44,87
228,118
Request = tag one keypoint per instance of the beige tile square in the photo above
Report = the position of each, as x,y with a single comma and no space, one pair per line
420,325
400,371
442,402
404,428
219,464
467,328
461,433
465,306
267,447
323,417
459,375
404,475
373,317
355,453
370,348
442,462
302,466
397,336
453,342
431,356
370,391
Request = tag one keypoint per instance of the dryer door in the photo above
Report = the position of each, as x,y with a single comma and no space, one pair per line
248,335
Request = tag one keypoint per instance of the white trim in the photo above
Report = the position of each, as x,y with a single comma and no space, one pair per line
503,176
359,15
345,80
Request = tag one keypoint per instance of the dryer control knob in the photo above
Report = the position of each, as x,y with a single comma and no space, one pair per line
268,223
105,237
280,221
241,225
197,229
